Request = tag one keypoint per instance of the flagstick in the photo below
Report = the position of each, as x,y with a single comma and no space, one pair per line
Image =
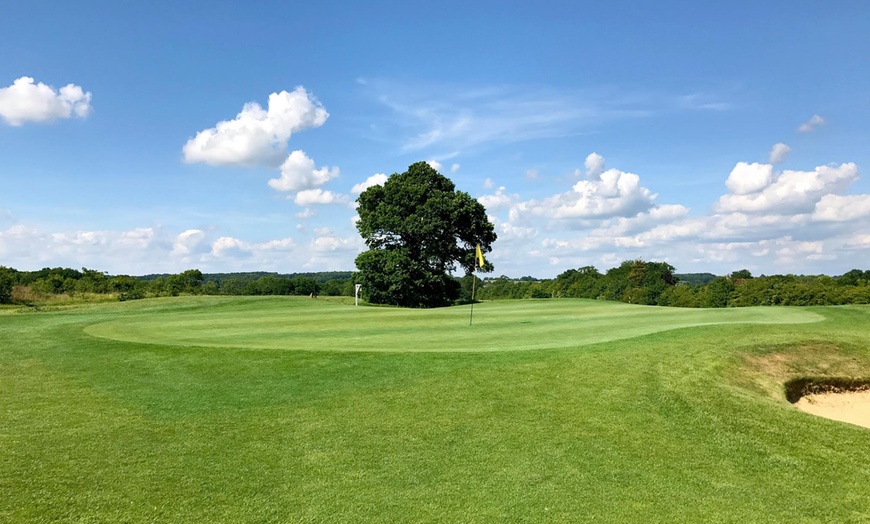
473,282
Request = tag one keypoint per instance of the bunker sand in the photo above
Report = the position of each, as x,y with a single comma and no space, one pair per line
851,406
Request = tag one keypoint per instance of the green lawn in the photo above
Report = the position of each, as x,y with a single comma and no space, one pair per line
272,409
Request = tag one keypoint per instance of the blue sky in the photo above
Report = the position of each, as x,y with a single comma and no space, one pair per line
228,136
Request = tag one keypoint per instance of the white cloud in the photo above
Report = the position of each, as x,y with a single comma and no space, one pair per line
594,165
749,178
498,200
311,197
434,164
331,243
790,250
766,218
131,252
778,153
139,238
791,192
531,174
146,250
305,213
81,238
280,245
645,221
378,179
26,101
329,251
488,183
189,242
299,173
257,136
616,193
454,168
811,124
508,232
858,242
837,208
230,247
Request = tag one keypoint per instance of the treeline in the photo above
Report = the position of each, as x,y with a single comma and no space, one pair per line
655,283
634,281
21,285
28,286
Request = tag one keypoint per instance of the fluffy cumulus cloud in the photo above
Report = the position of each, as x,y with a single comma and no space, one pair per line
257,136
498,200
605,211
20,242
749,178
509,233
434,164
788,192
330,251
604,194
836,208
594,165
299,173
378,179
658,216
778,153
145,250
28,248
189,242
139,238
614,193
313,197
329,242
768,221
26,101
230,247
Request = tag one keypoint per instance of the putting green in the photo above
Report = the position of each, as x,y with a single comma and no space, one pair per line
294,323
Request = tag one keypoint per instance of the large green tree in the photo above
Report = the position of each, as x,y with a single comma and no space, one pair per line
418,229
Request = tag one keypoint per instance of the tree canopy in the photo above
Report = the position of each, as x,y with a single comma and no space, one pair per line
418,229
5,285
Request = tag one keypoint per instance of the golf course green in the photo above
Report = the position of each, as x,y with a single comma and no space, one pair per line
290,409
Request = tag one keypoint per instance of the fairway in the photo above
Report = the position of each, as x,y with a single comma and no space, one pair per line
274,409
326,325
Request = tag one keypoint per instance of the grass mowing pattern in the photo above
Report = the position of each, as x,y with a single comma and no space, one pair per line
298,323
665,426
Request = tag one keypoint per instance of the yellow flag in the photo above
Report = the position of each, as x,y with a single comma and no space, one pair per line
479,254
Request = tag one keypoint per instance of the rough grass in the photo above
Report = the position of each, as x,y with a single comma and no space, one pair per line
255,410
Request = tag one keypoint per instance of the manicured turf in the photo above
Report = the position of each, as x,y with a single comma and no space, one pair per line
322,325
207,409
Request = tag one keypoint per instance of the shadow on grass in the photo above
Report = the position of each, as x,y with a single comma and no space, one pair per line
800,387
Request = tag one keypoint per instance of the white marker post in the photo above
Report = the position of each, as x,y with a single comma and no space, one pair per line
356,287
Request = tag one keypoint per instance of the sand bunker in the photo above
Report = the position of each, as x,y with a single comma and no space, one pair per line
847,406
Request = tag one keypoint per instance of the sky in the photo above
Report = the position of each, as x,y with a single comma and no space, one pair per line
155,137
